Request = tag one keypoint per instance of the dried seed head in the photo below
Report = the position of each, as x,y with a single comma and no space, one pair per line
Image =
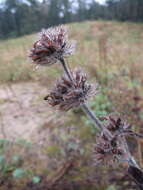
52,46
68,94
115,123
106,151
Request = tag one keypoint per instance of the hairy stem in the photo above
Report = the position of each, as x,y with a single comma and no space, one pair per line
99,125
96,121
66,69
84,107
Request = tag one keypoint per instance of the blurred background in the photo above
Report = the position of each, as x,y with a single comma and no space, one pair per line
20,17
42,148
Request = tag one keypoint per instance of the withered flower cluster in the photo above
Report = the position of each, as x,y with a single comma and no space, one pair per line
107,151
52,46
119,127
110,150
68,94
116,123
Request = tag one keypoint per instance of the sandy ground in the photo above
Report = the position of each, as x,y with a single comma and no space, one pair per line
23,110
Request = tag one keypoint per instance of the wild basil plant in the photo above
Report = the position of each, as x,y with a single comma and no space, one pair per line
73,90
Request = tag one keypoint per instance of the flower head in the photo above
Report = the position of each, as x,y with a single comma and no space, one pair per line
52,46
115,123
68,94
107,151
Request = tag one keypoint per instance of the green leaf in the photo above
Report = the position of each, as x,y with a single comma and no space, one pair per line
8,168
81,150
111,188
2,159
72,146
52,150
16,159
141,114
18,173
24,142
36,179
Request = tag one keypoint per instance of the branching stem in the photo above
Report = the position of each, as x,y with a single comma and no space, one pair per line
86,109
99,125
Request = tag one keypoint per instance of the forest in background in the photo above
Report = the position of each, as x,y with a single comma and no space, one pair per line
20,17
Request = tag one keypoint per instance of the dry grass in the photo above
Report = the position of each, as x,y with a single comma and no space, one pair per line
100,44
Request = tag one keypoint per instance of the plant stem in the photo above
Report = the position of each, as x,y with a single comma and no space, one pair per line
96,121
137,175
84,107
66,69
99,125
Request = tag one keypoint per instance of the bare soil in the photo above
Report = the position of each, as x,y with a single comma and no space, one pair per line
23,110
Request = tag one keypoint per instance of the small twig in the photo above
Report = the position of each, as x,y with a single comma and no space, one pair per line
131,133
62,171
14,94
